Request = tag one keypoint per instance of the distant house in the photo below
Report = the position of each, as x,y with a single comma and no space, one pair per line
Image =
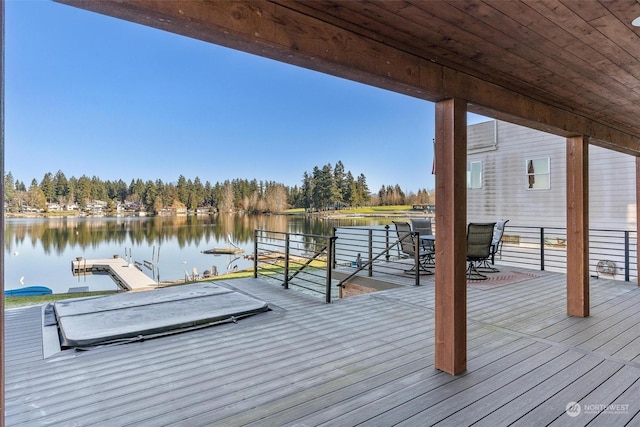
519,174
425,207
95,207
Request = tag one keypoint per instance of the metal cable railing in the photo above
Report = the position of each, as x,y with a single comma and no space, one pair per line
363,250
298,261
321,265
612,253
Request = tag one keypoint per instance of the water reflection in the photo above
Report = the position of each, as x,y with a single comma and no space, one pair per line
40,250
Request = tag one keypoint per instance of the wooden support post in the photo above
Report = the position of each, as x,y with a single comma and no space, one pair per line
451,248
578,226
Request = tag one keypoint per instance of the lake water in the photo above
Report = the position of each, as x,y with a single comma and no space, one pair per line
40,251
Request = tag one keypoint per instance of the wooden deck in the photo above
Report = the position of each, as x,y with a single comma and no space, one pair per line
366,360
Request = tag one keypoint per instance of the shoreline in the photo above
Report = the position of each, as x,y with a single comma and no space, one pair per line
322,214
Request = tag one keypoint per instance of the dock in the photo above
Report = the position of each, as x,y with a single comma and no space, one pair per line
223,251
125,274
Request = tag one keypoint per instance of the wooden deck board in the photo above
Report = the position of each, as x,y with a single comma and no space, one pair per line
630,351
598,328
366,359
526,371
521,398
575,391
316,407
401,393
342,399
602,394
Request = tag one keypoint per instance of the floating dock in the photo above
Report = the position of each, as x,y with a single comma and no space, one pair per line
125,274
222,251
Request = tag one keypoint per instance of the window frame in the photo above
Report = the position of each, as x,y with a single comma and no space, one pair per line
470,175
531,176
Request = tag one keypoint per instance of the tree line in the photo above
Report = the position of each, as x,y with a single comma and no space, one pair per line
324,188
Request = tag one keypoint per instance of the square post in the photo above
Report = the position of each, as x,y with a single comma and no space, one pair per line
451,248
578,226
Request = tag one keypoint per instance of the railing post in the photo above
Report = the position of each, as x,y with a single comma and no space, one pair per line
416,256
286,261
330,248
370,252
542,248
626,256
334,258
386,240
255,253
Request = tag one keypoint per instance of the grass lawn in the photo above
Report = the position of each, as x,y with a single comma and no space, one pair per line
24,301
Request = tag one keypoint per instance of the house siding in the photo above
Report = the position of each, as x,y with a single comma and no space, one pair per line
504,150
504,192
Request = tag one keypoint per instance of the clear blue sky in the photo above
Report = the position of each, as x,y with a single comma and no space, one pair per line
93,95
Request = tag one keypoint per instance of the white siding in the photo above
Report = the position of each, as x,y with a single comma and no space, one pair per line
505,193
612,189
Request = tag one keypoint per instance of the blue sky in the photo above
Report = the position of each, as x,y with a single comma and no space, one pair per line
93,95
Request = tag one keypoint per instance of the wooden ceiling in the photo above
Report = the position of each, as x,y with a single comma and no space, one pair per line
568,67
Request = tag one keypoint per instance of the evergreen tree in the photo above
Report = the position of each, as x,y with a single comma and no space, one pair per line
35,196
20,186
339,182
61,187
48,187
350,192
9,189
72,190
84,190
307,191
364,195
98,189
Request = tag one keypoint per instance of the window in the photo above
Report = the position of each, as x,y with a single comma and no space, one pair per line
474,175
538,174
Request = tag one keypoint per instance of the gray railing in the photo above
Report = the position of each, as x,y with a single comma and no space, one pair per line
369,249
612,253
321,265
298,261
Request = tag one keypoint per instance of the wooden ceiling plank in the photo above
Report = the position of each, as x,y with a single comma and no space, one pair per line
409,31
547,38
596,105
597,41
627,40
341,12
592,105
511,61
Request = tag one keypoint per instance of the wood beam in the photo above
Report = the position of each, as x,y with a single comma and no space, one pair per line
578,226
451,249
280,32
